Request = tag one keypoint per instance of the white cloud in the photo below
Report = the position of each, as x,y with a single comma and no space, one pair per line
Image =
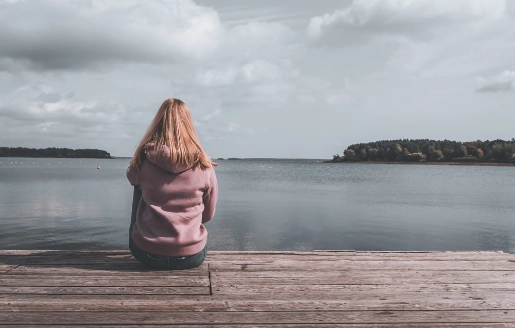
504,81
400,19
259,34
261,70
467,53
217,76
211,115
252,72
42,106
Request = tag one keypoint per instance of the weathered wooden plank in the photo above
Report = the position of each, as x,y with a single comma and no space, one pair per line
356,260
439,254
65,254
261,254
82,259
105,270
86,262
6,299
342,265
344,291
275,264
300,325
356,280
124,252
119,266
451,256
273,253
500,296
125,261
355,253
272,273
129,303
290,317
322,262
53,252
362,277
5,268
107,281
353,273
342,252
376,294
107,290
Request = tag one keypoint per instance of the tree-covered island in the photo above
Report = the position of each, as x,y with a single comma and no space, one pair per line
430,151
53,152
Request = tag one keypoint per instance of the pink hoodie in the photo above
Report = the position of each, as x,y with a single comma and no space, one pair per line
176,201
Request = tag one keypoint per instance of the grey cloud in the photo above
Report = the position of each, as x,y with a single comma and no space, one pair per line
51,97
111,108
504,81
12,113
34,131
65,35
60,48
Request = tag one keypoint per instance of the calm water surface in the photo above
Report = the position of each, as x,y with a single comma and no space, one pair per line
270,205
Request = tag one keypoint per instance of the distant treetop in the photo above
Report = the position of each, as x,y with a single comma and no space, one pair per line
420,150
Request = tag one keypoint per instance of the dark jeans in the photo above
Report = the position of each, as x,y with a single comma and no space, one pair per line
157,261
136,198
167,262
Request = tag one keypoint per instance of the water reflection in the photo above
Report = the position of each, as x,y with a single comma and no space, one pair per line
270,205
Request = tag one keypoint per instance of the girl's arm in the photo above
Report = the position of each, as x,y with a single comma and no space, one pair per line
210,197
132,176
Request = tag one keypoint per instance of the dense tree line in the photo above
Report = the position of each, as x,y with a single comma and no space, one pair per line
53,152
418,150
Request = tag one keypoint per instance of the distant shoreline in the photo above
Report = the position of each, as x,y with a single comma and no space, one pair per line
423,163
22,152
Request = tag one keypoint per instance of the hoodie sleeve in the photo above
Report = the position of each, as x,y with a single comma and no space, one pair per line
210,197
132,176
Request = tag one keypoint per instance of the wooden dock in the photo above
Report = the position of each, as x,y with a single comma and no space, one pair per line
260,289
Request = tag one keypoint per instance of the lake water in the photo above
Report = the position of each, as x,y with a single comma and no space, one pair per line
270,205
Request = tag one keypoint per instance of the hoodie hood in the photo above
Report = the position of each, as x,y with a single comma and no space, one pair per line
162,158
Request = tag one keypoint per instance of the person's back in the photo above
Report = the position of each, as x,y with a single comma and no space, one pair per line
179,192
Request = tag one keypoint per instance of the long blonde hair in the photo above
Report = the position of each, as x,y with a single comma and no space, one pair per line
172,127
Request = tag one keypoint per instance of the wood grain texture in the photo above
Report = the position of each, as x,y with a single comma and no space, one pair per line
242,318
345,265
363,277
209,304
103,290
5,268
105,270
300,325
103,281
368,256
260,289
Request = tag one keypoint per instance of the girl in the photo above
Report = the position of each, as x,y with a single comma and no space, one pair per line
179,192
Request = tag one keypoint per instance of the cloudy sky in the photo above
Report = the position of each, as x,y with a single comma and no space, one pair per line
267,78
